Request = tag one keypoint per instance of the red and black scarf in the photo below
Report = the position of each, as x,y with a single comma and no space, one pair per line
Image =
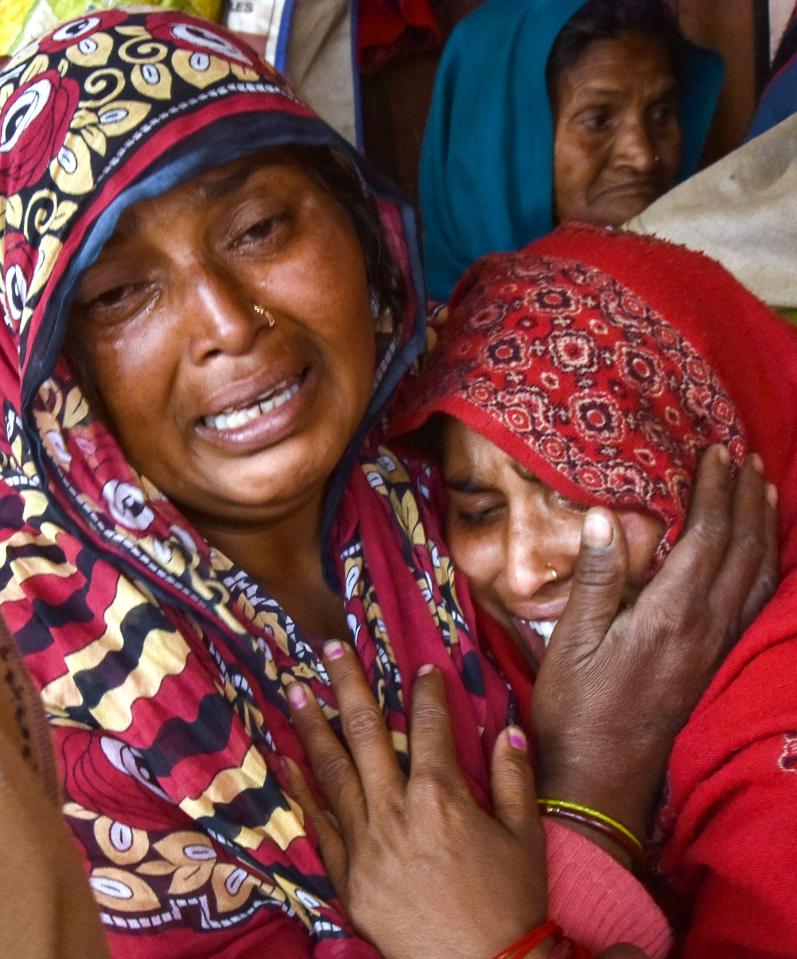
162,666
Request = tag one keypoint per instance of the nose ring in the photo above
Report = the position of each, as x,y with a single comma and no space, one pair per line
267,314
553,576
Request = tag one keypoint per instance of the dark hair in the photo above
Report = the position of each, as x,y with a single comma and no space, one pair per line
607,20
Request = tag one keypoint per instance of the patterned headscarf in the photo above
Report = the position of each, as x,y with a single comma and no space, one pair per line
162,666
576,376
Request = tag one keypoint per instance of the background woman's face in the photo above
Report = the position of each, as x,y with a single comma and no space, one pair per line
235,420
506,529
617,140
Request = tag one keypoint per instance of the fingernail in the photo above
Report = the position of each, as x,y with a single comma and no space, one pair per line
757,463
597,531
333,649
723,455
517,738
772,495
425,670
297,695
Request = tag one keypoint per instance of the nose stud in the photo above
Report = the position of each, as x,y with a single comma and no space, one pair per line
552,574
265,313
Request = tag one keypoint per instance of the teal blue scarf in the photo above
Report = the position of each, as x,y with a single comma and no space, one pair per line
486,180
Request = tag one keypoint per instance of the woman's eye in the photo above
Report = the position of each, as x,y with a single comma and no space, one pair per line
118,299
663,113
597,120
262,231
562,502
473,518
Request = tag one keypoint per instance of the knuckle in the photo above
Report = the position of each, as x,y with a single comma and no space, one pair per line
711,529
429,713
753,544
598,571
431,789
331,770
361,723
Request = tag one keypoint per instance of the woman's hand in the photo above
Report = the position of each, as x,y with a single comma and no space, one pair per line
612,693
421,869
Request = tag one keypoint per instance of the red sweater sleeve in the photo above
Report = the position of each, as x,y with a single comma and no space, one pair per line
596,901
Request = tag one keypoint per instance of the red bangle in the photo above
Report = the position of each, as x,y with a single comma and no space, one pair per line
528,942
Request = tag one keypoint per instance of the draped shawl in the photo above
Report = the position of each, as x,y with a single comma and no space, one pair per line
605,362
486,179
161,665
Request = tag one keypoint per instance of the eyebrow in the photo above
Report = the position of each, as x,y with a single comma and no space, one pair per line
587,91
208,188
471,486
216,188
465,484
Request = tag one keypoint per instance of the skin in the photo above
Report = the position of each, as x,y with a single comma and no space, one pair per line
166,316
505,526
617,137
713,582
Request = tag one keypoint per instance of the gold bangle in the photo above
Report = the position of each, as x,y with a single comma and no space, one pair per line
585,813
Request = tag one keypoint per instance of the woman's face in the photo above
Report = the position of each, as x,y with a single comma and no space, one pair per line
617,139
236,420
507,530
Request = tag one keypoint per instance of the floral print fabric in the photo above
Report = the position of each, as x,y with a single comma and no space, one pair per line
576,376
162,666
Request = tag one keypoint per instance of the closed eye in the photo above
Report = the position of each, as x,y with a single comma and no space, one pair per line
114,300
562,502
266,231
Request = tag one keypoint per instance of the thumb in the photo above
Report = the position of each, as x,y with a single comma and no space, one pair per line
623,951
514,792
597,584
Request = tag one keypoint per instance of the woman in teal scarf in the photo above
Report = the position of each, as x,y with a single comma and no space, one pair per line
487,170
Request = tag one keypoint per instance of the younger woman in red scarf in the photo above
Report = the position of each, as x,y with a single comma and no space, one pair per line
594,368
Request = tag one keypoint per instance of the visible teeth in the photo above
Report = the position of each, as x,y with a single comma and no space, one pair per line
544,627
232,419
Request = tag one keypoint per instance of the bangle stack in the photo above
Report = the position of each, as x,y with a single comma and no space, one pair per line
548,930
595,819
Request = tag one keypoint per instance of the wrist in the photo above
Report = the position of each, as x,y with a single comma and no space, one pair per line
622,792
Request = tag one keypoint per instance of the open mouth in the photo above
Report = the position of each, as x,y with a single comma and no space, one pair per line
534,635
234,417
542,627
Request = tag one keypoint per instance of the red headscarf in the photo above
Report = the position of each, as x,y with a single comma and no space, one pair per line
605,363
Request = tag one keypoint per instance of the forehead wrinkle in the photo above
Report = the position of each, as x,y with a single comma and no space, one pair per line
586,91
210,186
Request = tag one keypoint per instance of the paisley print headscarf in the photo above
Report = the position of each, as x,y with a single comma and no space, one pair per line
605,363
161,665
578,378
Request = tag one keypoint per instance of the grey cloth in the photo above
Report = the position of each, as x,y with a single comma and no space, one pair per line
320,61
741,211
318,56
